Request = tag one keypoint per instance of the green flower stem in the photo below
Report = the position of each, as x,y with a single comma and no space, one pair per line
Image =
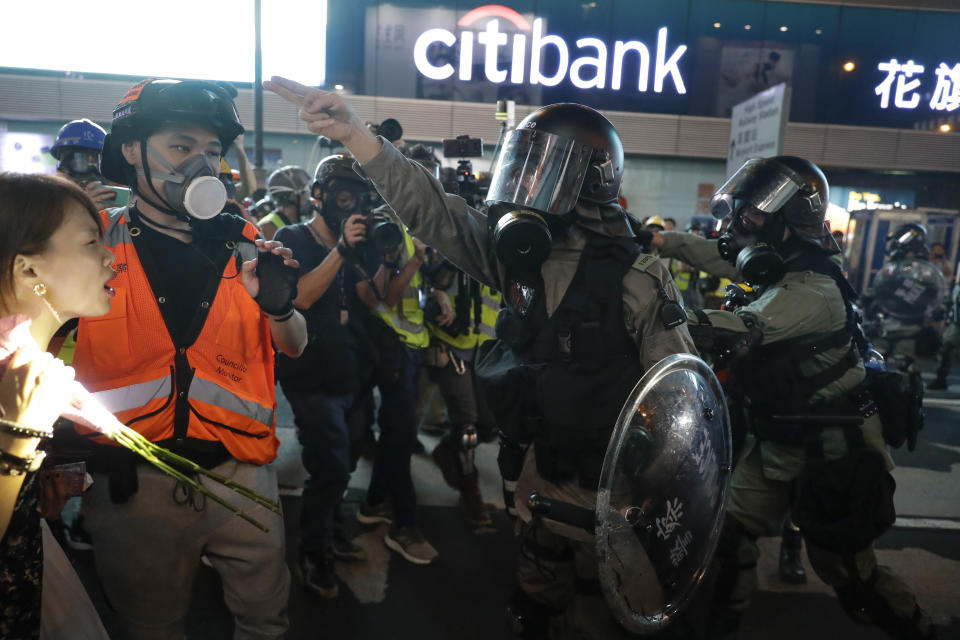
168,462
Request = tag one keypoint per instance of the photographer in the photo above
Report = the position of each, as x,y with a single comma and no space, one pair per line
77,150
322,384
289,190
460,317
399,308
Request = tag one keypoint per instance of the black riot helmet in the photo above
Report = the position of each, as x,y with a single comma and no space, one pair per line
908,238
559,154
789,193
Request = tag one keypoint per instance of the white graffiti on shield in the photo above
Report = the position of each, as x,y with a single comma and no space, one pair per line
669,522
679,550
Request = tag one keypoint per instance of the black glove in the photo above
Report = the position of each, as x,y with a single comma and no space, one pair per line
278,284
736,296
643,238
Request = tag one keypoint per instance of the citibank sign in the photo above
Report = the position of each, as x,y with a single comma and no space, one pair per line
585,72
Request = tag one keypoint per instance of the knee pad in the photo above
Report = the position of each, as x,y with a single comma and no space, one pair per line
529,619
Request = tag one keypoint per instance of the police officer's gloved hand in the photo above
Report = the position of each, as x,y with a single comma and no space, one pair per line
737,295
278,284
644,238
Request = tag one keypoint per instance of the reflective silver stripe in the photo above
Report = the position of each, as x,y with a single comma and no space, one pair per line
135,395
246,250
488,331
400,322
116,233
212,393
491,303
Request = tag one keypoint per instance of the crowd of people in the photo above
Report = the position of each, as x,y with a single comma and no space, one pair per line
183,297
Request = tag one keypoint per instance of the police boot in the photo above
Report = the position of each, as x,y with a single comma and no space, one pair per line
791,546
940,382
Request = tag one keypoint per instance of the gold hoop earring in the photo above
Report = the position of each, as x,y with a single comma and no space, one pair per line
41,290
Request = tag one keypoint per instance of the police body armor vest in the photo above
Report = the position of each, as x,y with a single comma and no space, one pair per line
560,382
217,385
770,377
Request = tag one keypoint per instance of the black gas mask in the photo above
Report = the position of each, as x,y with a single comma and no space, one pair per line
753,248
342,200
521,238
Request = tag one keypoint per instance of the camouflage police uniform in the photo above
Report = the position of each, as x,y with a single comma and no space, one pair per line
803,304
561,574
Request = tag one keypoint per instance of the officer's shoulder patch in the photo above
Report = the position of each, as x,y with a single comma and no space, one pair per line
644,261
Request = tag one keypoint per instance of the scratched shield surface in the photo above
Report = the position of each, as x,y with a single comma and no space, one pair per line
662,488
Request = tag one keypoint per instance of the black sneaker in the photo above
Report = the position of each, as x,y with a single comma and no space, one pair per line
315,572
345,550
77,537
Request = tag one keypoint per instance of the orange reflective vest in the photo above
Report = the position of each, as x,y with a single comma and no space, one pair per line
129,362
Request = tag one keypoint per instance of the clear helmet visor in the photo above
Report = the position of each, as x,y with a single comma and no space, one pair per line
540,171
80,161
765,185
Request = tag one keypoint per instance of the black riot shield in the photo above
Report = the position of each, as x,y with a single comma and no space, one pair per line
661,500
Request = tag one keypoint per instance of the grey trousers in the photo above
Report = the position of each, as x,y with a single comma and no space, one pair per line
148,549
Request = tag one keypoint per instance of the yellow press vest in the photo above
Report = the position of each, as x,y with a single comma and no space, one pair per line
475,336
407,317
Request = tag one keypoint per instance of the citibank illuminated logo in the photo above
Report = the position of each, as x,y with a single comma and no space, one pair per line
586,72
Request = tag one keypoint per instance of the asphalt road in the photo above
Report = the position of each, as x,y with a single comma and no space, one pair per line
462,595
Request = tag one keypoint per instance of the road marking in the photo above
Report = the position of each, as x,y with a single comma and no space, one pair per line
946,524
945,403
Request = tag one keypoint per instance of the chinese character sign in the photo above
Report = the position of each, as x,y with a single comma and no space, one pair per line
903,81
905,95
946,95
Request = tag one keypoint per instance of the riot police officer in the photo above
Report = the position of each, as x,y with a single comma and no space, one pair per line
905,297
585,315
792,356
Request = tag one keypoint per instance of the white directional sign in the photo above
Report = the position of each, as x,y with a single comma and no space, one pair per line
758,126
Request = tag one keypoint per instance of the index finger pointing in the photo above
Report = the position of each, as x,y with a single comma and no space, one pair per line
287,89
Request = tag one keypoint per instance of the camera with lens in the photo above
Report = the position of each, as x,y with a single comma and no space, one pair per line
389,129
383,232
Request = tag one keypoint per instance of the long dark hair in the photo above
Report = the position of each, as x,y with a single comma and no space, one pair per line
32,208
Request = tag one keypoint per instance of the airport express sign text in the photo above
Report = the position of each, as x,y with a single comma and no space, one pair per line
585,71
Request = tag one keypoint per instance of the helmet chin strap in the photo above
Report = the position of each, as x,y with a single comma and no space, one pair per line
145,172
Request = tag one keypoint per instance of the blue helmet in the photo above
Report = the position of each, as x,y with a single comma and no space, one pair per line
79,133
